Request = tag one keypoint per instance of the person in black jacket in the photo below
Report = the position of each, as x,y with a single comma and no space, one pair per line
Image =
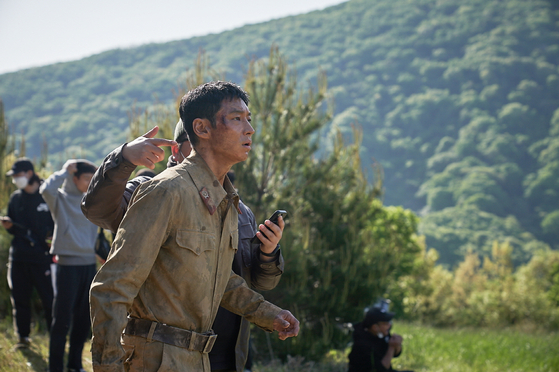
373,346
30,222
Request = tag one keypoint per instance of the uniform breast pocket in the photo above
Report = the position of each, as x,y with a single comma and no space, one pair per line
196,242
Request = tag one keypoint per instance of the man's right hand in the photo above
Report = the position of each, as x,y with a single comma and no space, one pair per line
145,150
286,325
6,222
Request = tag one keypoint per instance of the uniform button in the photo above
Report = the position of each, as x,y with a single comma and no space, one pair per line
197,250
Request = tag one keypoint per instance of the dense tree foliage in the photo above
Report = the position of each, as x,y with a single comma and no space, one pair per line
6,161
341,246
454,104
457,100
483,293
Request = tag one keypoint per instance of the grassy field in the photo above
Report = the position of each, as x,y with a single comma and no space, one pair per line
431,349
425,349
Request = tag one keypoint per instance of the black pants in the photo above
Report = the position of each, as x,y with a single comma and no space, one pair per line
70,310
22,277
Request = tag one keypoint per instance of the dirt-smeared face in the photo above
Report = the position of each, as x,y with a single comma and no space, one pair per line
232,138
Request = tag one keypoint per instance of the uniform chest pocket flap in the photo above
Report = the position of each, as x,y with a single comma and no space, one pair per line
196,241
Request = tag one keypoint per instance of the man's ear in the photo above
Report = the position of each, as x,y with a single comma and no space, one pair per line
202,128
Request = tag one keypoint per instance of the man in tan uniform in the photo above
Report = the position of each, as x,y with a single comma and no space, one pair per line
170,265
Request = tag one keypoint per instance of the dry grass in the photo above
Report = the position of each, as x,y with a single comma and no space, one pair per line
35,358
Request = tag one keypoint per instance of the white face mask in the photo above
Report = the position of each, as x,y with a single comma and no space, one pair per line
20,182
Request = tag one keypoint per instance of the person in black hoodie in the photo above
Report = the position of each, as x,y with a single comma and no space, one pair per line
373,345
30,222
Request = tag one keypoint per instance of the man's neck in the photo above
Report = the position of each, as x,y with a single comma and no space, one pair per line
217,167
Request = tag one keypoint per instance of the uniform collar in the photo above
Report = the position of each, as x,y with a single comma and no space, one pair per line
209,188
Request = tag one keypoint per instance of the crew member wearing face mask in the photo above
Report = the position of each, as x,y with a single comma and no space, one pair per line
30,222
373,345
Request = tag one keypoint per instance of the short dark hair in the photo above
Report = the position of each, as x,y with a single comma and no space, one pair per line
84,167
204,101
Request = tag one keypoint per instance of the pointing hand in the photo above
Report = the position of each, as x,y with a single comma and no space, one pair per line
145,150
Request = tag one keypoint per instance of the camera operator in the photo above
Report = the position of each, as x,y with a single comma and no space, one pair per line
373,345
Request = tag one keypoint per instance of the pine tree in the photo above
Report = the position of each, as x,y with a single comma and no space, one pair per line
166,116
7,159
341,246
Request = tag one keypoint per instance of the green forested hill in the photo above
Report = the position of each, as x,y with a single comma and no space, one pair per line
458,101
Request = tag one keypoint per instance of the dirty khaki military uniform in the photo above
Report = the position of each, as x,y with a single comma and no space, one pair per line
171,264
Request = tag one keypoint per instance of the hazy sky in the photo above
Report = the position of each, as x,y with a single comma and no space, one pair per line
40,32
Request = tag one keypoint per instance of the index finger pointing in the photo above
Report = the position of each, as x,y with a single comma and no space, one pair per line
159,142
152,132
